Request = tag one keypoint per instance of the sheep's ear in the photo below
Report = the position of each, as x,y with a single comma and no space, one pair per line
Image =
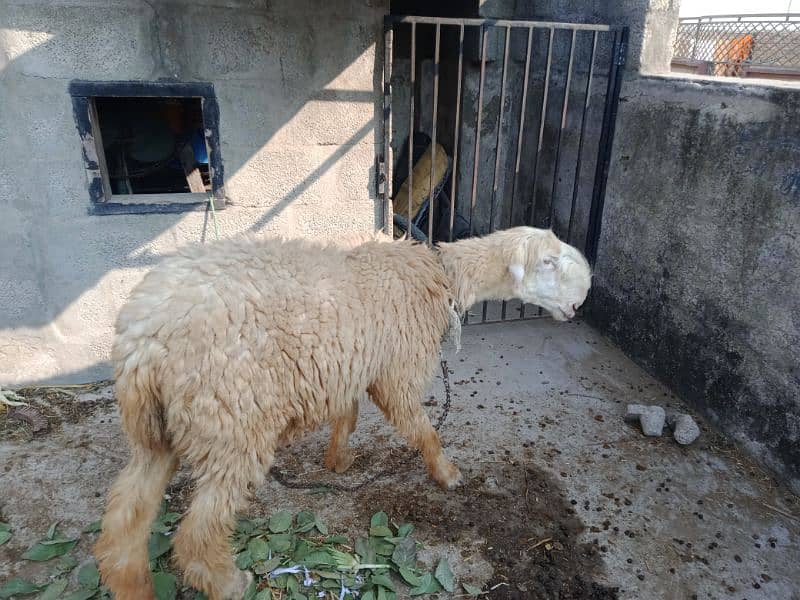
549,261
517,272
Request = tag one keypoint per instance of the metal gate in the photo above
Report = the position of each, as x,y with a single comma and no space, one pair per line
503,123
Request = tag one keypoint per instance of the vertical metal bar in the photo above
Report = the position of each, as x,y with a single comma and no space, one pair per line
411,127
542,118
484,31
499,127
606,142
587,96
564,109
431,211
499,141
457,129
388,161
528,52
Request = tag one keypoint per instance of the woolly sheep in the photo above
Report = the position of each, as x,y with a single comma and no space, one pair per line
227,350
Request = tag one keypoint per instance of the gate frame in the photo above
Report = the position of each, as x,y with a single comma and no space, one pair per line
606,139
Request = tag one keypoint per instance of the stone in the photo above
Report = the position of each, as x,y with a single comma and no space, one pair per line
684,429
651,418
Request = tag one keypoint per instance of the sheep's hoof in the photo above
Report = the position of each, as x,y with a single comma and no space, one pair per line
238,587
340,462
448,476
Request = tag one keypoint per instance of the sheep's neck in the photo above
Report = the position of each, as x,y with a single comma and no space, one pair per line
476,270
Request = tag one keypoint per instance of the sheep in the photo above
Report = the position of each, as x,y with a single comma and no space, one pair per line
225,351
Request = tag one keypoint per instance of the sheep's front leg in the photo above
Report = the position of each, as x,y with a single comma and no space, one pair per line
339,456
403,410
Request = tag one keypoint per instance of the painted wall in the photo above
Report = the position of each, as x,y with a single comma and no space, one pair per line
298,86
698,276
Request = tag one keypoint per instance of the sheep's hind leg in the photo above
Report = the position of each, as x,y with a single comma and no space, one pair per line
202,543
403,410
339,456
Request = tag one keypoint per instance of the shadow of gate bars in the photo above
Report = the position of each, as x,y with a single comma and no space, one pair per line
496,123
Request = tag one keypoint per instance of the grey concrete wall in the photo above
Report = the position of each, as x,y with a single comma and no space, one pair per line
698,275
298,85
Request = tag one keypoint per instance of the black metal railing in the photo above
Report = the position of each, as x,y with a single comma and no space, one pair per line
497,123
735,43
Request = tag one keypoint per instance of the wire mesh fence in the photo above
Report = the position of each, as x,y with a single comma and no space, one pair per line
734,43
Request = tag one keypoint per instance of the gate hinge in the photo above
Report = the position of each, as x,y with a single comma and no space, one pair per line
622,53
380,179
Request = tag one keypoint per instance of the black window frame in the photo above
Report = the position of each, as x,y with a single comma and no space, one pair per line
101,200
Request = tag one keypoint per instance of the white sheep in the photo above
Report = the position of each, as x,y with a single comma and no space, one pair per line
226,350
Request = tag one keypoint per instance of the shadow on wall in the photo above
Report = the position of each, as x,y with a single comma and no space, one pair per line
294,82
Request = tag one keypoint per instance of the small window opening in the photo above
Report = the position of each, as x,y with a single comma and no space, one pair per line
149,147
153,145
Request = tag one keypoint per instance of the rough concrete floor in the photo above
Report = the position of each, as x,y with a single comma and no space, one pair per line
536,426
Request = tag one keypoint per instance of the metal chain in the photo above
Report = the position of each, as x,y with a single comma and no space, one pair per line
288,482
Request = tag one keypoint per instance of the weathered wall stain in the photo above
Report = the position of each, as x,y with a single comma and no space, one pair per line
698,276
791,185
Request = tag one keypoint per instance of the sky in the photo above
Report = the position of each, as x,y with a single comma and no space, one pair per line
696,8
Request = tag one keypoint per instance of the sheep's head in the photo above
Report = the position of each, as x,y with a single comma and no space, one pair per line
549,273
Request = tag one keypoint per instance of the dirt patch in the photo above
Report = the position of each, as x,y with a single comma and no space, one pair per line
50,407
526,527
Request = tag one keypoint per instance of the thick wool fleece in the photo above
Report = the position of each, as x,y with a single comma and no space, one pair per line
225,351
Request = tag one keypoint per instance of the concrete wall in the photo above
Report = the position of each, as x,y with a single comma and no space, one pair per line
698,275
298,84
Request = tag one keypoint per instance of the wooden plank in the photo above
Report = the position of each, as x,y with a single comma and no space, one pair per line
193,177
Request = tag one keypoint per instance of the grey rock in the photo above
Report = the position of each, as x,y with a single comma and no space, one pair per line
652,421
651,418
684,429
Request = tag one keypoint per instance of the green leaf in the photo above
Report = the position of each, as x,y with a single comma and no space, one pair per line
47,549
292,584
244,560
318,557
382,594
265,594
54,590
281,521
89,576
4,537
380,531
5,526
471,589
245,526
410,576
81,595
365,551
321,527
158,545
18,587
405,553
445,576
93,527
250,592
368,595
51,533
65,565
384,581
305,521
381,546
165,586
428,585
405,530
281,542
379,519
336,539
267,566
258,548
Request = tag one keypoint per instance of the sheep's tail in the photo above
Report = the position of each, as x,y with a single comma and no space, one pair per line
135,496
